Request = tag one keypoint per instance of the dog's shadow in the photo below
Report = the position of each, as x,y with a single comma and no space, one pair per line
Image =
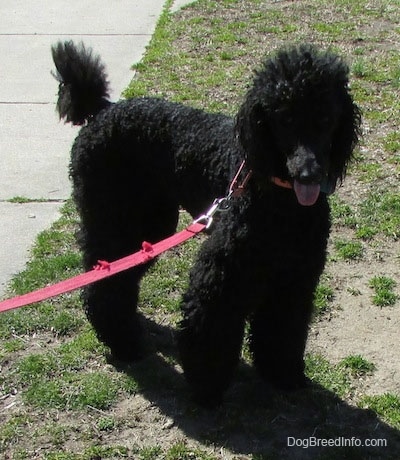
257,420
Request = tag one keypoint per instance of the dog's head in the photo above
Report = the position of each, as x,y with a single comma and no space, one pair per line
299,122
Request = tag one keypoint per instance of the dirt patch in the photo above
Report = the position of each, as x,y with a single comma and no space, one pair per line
354,325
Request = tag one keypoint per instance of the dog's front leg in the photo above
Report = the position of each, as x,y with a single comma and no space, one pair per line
278,335
211,332
210,340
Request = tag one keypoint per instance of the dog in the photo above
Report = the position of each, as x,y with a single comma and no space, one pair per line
134,163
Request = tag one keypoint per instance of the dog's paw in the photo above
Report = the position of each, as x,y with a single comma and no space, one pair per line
207,400
289,383
122,358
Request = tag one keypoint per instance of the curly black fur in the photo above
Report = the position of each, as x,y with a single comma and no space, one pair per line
137,161
83,89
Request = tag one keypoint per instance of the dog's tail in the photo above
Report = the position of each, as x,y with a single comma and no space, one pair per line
83,89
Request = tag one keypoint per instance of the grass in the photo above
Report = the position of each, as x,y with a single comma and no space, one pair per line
386,405
380,212
330,377
342,213
72,391
357,365
377,213
349,250
61,399
384,294
323,297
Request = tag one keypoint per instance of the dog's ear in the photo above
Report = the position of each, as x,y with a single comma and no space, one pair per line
345,139
251,127
254,133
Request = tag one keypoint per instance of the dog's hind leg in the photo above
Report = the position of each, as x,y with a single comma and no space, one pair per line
111,304
111,308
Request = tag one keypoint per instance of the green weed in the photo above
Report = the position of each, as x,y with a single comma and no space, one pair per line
386,405
319,370
106,424
323,297
73,391
380,212
149,453
181,451
13,429
392,142
342,213
357,365
349,250
383,287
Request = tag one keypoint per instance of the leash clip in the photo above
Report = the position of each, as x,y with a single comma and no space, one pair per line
222,204
219,204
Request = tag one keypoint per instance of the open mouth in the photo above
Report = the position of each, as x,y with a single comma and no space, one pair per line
307,194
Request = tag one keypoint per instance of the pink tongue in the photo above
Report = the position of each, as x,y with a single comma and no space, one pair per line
306,195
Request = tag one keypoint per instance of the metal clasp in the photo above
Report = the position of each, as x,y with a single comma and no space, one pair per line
219,204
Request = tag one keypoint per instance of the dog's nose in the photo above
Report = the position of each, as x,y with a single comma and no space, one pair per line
310,175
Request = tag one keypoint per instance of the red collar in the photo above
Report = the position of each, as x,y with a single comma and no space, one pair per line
280,182
237,189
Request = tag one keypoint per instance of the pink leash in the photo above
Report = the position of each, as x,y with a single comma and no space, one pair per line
104,269
149,251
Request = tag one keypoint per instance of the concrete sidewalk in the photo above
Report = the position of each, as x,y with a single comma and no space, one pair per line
34,145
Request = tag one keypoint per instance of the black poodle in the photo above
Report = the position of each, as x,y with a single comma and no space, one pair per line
135,162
